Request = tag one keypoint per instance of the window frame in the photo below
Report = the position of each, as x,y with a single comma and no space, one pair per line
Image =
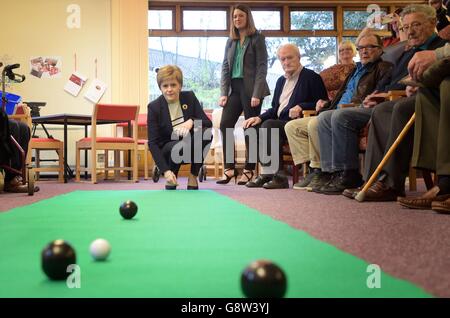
324,8
190,8
162,8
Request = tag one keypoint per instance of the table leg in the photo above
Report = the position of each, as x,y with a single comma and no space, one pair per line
129,152
85,154
66,172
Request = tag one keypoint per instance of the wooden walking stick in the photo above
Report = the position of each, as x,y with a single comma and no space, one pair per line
361,194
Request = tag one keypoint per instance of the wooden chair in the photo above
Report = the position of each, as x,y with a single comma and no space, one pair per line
117,144
41,144
142,142
48,144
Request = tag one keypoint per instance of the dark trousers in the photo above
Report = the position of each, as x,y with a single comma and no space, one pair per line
21,133
237,103
196,159
432,140
387,121
271,137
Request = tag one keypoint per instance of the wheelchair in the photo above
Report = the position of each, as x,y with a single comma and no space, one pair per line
26,172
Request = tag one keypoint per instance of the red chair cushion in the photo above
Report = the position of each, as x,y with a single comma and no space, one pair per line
110,139
142,121
142,141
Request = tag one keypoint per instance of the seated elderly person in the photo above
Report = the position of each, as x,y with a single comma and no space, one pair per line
176,124
389,118
431,142
340,131
297,90
302,133
10,154
334,76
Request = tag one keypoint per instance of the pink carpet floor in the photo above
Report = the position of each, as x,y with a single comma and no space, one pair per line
409,244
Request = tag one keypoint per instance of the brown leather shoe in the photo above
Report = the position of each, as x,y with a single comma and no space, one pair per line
441,206
15,185
379,192
424,202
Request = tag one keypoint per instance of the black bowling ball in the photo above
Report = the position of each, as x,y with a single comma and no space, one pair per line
263,279
128,209
56,257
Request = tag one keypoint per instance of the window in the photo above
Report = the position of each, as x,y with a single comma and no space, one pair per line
193,35
267,20
204,20
160,20
312,20
200,59
358,20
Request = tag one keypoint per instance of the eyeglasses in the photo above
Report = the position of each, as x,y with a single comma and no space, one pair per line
346,49
414,25
368,47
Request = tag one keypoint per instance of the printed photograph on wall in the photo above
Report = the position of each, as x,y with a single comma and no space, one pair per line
75,83
45,67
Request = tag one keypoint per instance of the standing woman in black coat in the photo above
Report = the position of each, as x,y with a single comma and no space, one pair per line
176,123
243,85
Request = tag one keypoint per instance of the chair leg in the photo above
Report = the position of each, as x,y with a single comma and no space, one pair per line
134,164
38,163
145,163
93,166
412,179
60,152
116,164
77,163
295,173
106,165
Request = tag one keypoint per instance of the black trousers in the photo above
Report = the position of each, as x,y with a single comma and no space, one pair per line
21,133
387,121
271,138
237,103
193,142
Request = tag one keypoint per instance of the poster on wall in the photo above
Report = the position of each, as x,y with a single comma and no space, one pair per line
96,91
75,83
46,66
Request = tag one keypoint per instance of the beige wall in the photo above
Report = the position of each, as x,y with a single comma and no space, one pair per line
112,31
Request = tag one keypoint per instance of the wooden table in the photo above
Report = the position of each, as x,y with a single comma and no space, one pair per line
72,120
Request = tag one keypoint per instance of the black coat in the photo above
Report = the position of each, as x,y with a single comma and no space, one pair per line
159,123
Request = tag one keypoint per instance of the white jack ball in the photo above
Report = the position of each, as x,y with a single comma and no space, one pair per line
100,249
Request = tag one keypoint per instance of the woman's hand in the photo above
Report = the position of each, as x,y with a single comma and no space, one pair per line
170,177
183,129
255,102
223,101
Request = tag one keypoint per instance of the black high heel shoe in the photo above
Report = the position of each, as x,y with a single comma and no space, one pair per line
227,177
170,186
192,187
249,178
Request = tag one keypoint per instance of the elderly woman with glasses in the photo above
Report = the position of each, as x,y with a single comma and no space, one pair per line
334,76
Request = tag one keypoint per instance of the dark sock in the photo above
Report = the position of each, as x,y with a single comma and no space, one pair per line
444,184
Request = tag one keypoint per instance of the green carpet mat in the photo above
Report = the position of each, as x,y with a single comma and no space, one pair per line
180,244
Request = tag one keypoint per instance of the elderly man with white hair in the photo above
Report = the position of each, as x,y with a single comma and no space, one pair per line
297,90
